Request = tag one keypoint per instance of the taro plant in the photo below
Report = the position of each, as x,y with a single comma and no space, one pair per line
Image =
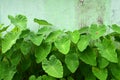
89,53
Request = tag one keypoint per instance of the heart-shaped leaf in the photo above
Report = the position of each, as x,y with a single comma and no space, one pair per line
42,51
115,69
42,22
25,47
53,36
2,29
6,72
32,77
101,74
86,71
97,31
116,28
88,56
25,63
83,42
107,50
10,39
53,67
39,78
36,39
45,77
74,36
84,30
19,20
15,58
102,62
44,30
72,62
70,78
63,44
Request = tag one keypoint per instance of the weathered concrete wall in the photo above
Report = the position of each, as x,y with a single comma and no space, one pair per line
93,11
64,14
115,12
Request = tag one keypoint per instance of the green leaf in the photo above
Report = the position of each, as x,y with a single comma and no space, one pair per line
25,63
0,35
84,30
19,20
115,69
116,28
53,36
107,50
10,39
2,29
15,58
63,44
97,31
86,71
45,77
1,26
70,78
25,34
62,79
36,39
74,36
101,74
58,54
117,45
25,47
39,78
42,22
88,56
90,76
83,42
53,67
6,72
66,71
102,62
32,77
42,52
72,62
44,30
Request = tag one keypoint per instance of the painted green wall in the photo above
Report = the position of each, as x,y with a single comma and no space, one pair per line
61,13
64,14
30,8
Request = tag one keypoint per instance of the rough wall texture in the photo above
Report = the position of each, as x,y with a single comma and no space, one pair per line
93,11
65,14
115,11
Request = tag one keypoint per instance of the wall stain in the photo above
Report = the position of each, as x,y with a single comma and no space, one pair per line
91,12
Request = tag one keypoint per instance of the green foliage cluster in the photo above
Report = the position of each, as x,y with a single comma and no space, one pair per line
50,54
